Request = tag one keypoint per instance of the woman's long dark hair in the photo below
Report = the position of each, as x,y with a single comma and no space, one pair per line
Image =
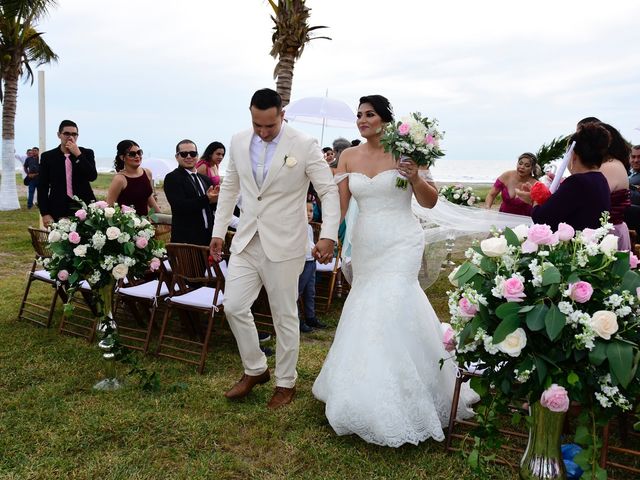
208,152
592,143
380,105
122,149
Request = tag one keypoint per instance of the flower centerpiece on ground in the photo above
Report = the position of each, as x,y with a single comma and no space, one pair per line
459,194
552,318
416,137
101,245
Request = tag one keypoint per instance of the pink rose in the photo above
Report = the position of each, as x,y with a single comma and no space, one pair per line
580,291
555,398
633,260
63,275
126,209
74,237
81,214
529,247
565,232
154,264
541,235
141,242
428,139
467,308
589,235
448,337
404,129
513,290
102,204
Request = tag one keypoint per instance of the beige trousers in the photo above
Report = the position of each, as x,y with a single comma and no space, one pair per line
248,272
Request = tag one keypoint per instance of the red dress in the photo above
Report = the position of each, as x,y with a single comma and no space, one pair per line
511,205
136,194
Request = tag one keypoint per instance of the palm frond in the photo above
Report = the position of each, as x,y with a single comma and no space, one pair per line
552,151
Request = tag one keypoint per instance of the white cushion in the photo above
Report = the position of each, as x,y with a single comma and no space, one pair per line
321,267
84,285
167,265
145,290
201,297
42,275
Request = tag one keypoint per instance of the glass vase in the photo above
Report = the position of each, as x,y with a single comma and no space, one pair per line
542,460
107,339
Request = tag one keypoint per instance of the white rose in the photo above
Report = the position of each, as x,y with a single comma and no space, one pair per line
120,271
290,162
604,323
144,222
54,236
609,244
453,274
513,344
113,233
521,232
136,222
80,251
494,246
109,211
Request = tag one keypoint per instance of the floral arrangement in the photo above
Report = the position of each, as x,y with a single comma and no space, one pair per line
459,194
416,137
551,317
102,244
540,193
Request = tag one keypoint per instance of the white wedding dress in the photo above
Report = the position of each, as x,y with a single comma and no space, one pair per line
382,379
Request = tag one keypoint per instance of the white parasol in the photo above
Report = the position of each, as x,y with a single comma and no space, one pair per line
323,111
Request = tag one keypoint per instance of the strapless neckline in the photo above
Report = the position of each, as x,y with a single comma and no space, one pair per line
375,176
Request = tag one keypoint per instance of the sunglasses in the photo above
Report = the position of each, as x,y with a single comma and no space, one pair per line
134,154
70,134
191,154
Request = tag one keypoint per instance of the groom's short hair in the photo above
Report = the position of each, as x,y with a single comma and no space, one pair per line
265,99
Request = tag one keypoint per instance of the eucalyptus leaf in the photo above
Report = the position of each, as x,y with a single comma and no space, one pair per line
511,237
620,356
631,281
599,353
535,318
541,368
550,276
506,326
582,436
621,265
554,321
507,309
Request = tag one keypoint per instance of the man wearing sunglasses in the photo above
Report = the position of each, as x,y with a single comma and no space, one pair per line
65,172
271,166
190,195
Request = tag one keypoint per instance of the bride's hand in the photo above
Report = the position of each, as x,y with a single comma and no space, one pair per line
409,169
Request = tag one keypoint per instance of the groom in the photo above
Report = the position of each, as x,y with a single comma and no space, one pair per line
270,166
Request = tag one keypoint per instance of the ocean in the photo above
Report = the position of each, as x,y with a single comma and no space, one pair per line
445,171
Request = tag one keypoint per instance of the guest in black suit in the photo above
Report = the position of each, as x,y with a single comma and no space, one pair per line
53,199
190,195
634,174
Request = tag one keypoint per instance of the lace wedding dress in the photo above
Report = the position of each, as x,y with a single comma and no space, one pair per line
382,379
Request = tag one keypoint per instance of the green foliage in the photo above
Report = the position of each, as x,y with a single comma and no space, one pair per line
554,150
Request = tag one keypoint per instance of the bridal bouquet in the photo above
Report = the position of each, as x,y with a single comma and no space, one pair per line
555,314
416,137
459,194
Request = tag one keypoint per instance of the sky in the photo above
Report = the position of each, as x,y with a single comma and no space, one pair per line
502,77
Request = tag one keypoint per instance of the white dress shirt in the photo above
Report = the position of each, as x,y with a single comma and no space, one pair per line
257,150
194,176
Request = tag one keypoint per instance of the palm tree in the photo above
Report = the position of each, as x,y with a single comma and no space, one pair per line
20,47
291,33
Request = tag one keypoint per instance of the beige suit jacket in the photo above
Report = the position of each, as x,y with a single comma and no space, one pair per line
277,211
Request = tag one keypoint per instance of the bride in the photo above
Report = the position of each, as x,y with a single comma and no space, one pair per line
382,378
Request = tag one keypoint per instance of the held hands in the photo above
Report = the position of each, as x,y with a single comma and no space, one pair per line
212,193
409,169
323,251
523,192
215,248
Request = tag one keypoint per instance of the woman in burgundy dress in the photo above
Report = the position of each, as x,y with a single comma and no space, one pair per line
506,184
615,169
132,184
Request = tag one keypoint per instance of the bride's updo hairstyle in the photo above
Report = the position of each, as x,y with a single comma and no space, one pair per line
380,105
592,144
122,149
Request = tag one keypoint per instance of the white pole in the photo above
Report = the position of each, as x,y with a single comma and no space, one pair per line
42,129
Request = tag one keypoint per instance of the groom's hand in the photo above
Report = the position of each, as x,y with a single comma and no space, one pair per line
215,248
323,251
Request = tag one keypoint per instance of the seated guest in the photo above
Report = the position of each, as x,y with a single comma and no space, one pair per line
584,195
340,144
634,174
525,175
210,160
615,168
132,184
190,195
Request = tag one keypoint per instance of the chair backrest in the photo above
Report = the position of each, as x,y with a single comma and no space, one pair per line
163,231
40,242
191,264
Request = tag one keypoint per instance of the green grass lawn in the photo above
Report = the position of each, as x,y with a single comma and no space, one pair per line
52,425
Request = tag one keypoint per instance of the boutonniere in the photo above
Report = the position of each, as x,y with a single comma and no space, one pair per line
290,161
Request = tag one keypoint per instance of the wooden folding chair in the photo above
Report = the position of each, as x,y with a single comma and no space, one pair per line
163,231
29,310
626,452
133,329
197,287
326,281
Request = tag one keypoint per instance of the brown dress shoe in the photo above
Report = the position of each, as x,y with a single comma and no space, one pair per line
281,397
246,384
